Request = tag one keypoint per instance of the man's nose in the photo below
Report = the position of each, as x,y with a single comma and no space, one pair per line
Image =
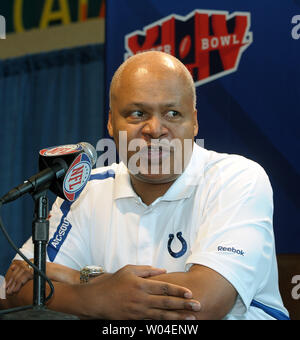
154,128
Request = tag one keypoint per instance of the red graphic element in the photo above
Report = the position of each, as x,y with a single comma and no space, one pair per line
209,43
70,197
60,150
185,46
102,9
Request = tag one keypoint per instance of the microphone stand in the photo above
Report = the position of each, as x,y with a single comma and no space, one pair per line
40,237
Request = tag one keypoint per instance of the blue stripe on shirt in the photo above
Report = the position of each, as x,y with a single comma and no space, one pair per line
65,226
275,313
103,175
61,233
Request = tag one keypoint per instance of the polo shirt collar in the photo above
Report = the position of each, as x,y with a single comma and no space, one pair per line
181,188
123,187
184,185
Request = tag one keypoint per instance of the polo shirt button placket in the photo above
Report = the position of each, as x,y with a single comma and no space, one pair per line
145,238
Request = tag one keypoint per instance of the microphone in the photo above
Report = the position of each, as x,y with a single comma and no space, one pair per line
65,170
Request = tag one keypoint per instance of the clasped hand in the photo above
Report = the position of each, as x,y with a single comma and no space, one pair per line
130,293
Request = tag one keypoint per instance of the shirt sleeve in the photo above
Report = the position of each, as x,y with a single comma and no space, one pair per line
235,237
68,239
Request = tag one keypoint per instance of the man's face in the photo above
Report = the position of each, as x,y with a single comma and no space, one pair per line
151,106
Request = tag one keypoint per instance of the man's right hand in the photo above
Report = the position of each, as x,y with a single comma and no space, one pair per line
19,273
126,294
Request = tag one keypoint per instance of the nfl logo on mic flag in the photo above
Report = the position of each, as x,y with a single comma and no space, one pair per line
79,170
77,177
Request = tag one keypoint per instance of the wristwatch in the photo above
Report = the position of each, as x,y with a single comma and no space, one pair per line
88,272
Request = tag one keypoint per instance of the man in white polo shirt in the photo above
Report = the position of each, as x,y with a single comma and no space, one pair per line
209,227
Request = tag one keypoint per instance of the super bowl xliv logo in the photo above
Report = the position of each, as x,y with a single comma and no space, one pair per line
210,43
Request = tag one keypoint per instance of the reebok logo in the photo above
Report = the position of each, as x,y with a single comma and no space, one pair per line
231,250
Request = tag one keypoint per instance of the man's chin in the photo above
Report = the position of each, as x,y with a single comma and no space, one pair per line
156,178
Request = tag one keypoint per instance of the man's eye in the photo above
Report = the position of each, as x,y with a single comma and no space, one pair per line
136,114
172,114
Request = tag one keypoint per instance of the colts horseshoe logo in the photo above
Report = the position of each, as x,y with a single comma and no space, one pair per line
183,245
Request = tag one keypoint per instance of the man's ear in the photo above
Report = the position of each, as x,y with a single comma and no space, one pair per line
109,124
196,127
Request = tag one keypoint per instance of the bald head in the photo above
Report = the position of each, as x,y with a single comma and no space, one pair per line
155,64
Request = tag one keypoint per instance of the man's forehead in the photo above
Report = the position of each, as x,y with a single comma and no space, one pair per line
149,93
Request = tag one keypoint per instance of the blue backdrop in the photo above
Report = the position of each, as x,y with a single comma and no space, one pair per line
253,111
45,100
